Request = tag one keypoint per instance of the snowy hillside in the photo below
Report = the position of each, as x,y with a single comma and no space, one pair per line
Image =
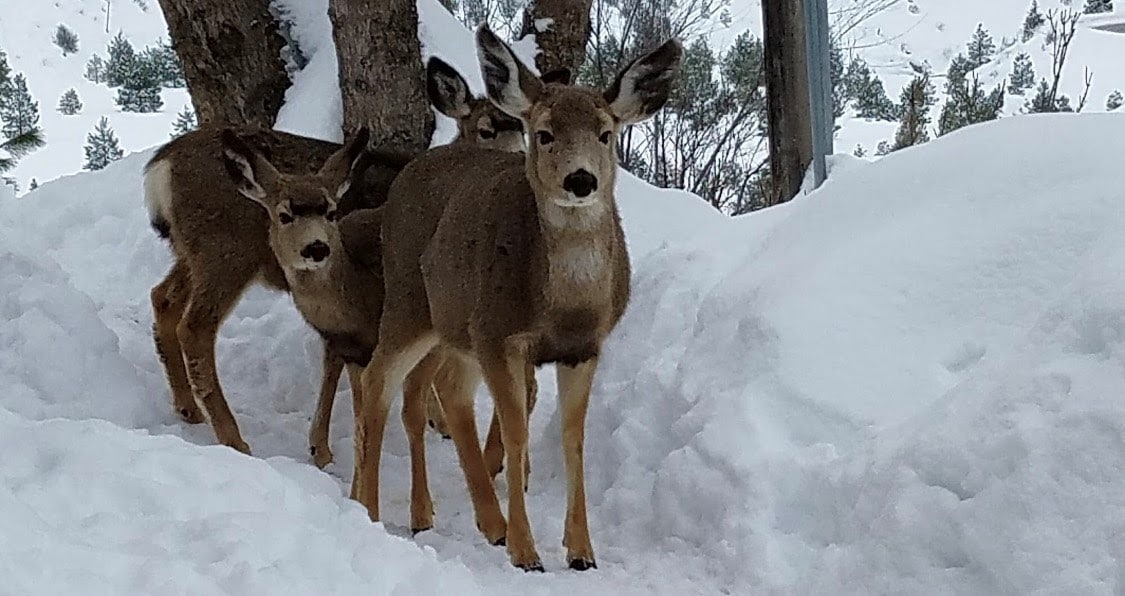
26,35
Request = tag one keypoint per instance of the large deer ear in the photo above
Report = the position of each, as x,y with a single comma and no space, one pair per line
348,163
643,87
254,175
509,83
447,89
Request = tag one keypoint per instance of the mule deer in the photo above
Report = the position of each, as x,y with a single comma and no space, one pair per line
221,244
502,261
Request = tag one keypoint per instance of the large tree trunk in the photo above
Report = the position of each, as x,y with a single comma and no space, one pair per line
787,96
381,75
562,44
231,52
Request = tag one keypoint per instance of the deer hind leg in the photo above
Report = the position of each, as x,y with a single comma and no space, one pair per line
394,357
494,445
574,397
169,299
505,373
456,388
416,390
355,379
321,422
210,302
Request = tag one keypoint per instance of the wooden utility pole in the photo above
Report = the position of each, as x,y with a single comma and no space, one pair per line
787,96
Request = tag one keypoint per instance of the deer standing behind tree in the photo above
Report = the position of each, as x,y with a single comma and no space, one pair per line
222,242
498,262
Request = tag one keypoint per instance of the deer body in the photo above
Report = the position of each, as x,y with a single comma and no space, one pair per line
505,262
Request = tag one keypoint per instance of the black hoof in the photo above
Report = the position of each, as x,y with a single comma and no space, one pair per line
312,451
501,541
583,565
537,567
447,437
431,423
416,531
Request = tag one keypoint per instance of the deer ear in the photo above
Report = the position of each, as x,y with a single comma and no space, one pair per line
254,175
348,163
643,87
559,75
447,89
509,83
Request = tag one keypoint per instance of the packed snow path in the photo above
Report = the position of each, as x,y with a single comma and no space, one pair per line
909,381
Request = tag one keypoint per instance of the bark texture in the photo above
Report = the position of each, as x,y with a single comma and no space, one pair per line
563,43
787,95
381,75
231,52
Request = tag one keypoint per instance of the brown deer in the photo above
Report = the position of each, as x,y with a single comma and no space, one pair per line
501,261
221,243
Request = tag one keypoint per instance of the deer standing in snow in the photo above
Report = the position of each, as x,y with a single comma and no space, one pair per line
498,262
222,243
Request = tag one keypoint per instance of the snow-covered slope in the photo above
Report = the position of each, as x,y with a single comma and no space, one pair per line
27,32
906,382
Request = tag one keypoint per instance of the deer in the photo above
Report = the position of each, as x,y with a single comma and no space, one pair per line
221,242
500,262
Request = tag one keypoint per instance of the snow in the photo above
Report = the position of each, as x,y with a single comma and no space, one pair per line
906,381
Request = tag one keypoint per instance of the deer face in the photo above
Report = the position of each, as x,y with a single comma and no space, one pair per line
302,208
478,121
572,160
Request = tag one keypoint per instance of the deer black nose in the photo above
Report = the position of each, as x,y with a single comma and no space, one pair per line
580,183
317,251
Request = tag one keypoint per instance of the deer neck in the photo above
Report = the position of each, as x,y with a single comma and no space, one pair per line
577,243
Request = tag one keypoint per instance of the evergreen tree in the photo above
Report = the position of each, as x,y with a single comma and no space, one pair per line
1062,104
1032,22
34,184
185,122
1098,6
14,148
914,106
859,151
867,92
1023,75
95,69
884,148
66,39
69,104
981,48
5,72
1114,101
969,104
101,146
19,112
959,67
166,63
1041,102
122,61
140,91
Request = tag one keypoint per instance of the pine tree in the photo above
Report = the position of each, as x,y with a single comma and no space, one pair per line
140,91
5,78
19,112
69,104
66,39
859,151
981,48
1041,102
1023,75
914,106
101,146
884,148
34,184
1032,22
1114,101
969,104
959,67
867,92
95,69
185,122
166,63
122,61
1098,6
15,148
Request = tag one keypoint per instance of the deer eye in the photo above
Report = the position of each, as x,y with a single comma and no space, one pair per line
285,218
487,134
605,137
545,138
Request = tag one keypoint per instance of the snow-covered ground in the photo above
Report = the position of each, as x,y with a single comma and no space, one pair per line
909,381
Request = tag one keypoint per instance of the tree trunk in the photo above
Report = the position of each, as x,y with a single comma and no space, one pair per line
231,52
787,96
381,75
562,44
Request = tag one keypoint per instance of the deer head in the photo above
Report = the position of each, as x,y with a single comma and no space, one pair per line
572,159
478,121
301,208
